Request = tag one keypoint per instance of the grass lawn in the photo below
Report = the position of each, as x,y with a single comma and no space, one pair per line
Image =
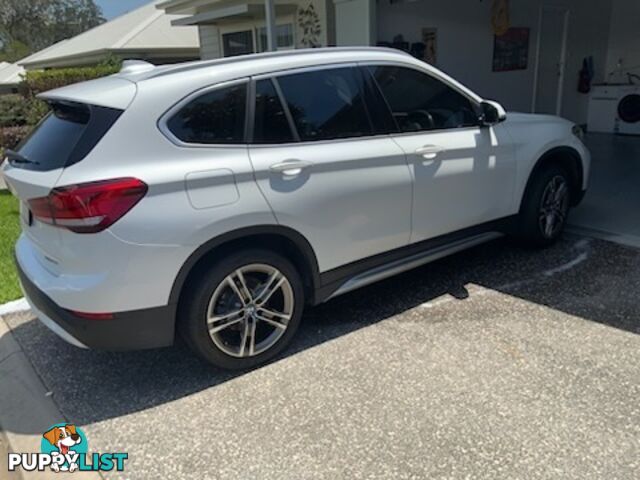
9,231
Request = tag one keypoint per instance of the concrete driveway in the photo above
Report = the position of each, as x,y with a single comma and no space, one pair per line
496,363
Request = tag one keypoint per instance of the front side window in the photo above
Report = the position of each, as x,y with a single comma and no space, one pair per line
216,117
327,104
420,102
271,124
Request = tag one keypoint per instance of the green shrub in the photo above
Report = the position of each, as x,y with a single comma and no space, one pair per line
14,111
11,136
40,81
36,109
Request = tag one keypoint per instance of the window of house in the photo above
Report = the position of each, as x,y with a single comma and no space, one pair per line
215,117
237,43
271,123
421,102
284,37
327,104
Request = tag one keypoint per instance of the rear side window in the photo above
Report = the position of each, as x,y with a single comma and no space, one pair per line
215,117
271,123
327,104
420,102
66,135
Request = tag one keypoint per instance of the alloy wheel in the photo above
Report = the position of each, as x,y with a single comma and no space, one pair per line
250,310
554,206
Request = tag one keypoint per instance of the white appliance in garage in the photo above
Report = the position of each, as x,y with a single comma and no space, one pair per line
603,108
628,111
615,109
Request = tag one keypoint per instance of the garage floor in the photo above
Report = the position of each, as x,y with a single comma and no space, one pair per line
611,208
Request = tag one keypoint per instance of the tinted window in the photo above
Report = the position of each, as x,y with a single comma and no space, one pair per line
66,135
420,102
216,117
326,104
271,124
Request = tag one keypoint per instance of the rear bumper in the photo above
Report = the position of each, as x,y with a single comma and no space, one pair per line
133,330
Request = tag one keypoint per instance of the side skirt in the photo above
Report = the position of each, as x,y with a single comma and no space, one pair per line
364,272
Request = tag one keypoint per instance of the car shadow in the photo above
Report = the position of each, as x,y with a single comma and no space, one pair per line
591,279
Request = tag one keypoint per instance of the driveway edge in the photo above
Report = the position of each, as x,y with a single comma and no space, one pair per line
25,405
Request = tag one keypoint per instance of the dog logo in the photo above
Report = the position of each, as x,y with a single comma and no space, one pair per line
64,448
63,438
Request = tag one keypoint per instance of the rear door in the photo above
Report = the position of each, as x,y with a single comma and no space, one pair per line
62,138
324,167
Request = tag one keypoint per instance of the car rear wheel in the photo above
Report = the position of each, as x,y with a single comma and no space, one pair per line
545,207
243,310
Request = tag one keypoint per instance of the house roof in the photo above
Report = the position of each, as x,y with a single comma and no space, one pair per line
146,32
10,73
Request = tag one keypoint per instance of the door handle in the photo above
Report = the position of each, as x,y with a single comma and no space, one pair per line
429,151
290,168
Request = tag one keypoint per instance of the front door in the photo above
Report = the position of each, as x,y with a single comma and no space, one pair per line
323,170
464,174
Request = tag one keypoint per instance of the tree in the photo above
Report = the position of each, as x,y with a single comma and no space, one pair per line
40,23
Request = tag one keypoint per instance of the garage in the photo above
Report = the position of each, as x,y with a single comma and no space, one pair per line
574,58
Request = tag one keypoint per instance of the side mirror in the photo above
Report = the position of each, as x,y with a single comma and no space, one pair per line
491,113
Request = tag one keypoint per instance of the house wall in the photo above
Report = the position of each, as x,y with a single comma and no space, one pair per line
209,42
624,43
305,12
465,44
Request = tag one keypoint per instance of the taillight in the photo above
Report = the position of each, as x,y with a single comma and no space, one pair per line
92,316
88,207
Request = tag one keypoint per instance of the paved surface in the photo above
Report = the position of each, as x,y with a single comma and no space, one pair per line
496,363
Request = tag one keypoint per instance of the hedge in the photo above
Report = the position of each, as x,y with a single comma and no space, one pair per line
11,136
19,113
40,81
16,110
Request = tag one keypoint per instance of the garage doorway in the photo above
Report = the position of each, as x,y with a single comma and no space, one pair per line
551,59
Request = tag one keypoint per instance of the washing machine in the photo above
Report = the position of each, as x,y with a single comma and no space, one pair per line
628,111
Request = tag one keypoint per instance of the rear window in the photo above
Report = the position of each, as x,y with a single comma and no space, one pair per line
327,104
216,117
271,123
65,136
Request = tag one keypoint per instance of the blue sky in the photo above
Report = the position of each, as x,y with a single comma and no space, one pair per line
114,8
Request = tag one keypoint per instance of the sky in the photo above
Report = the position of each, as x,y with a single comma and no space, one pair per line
115,8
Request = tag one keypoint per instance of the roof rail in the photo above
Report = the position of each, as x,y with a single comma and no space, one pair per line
196,65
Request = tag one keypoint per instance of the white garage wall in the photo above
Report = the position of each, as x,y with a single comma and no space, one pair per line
624,42
465,44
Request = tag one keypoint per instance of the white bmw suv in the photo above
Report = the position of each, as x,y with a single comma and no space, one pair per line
219,198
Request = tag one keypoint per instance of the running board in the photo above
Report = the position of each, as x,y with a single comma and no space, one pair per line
411,262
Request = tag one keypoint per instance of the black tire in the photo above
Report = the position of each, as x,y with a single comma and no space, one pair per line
530,230
194,307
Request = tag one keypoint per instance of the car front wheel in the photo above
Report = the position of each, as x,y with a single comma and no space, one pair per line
243,310
545,207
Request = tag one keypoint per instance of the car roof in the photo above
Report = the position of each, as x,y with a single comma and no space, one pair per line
171,82
264,62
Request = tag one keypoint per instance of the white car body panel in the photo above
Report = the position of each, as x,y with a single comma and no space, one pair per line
351,202
466,177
